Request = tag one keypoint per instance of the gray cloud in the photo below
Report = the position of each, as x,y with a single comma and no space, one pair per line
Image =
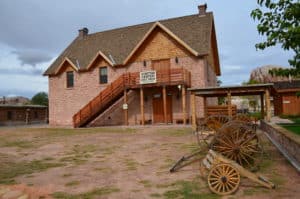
21,71
32,57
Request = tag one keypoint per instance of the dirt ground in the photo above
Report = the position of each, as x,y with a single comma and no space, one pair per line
124,163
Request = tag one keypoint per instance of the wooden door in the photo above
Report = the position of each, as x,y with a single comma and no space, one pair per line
158,108
163,66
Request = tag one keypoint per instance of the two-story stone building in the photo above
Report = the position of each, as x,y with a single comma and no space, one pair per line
134,75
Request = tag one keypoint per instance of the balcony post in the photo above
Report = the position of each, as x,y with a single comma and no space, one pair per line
183,96
125,108
193,106
142,105
165,103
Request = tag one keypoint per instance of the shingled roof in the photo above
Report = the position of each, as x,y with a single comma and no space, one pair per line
117,44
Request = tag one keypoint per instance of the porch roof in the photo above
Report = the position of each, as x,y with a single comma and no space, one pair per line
253,89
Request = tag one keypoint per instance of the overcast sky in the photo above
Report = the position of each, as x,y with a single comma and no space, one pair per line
34,32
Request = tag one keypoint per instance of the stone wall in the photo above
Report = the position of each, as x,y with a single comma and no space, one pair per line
287,142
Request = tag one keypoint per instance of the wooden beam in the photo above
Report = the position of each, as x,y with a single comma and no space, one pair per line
193,106
126,108
229,104
165,103
183,98
142,105
268,106
262,106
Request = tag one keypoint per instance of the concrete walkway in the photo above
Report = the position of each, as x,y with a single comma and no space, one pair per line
277,120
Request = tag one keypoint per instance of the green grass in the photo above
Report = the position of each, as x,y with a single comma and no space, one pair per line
294,127
79,154
186,190
146,183
131,164
72,183
17,143
256,115
96,193
10,169
175,131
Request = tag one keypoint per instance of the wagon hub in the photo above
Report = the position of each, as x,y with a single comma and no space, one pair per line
224,179
236,150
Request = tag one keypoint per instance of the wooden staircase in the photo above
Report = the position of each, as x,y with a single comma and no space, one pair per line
115,90
100,103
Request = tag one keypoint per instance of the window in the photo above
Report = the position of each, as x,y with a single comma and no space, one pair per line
70,79
36,115
103,75
9,115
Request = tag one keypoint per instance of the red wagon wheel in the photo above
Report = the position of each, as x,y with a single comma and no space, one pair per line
223,179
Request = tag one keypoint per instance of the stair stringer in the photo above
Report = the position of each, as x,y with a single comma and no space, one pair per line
114,114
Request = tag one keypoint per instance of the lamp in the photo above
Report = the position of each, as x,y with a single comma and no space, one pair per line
179,87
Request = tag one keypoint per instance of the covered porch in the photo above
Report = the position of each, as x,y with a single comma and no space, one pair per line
262,90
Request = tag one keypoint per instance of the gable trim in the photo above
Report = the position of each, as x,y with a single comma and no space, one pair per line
94,59
66,59
170,33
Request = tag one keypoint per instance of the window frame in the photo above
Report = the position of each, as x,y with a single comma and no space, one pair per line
9,115
68,85
103,79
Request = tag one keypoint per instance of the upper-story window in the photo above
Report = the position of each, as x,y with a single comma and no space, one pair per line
70,79
103,75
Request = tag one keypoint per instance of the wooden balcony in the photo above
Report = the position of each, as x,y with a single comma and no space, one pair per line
178,76
127,81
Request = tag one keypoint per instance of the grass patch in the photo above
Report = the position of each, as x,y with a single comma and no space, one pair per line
79,154
88,195
72,183
186,190
131,164
17,143
155,195
175,131
9,169
294,127
146,183
57,132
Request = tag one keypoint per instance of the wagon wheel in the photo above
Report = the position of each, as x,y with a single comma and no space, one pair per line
238,142
223,179
242,118
215,122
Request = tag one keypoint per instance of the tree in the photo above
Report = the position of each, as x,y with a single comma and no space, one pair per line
40,98
279,21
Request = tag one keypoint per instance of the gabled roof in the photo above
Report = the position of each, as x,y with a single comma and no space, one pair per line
117,45
294,84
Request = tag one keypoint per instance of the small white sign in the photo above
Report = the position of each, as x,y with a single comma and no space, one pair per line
125,106
286,102
148,77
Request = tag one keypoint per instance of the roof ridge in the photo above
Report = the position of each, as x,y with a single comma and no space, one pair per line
142,24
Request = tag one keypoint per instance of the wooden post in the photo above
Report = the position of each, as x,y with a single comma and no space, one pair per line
262,106
165,103
193,106
142,105
126,108
229,104
183,96
268,105
205,106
